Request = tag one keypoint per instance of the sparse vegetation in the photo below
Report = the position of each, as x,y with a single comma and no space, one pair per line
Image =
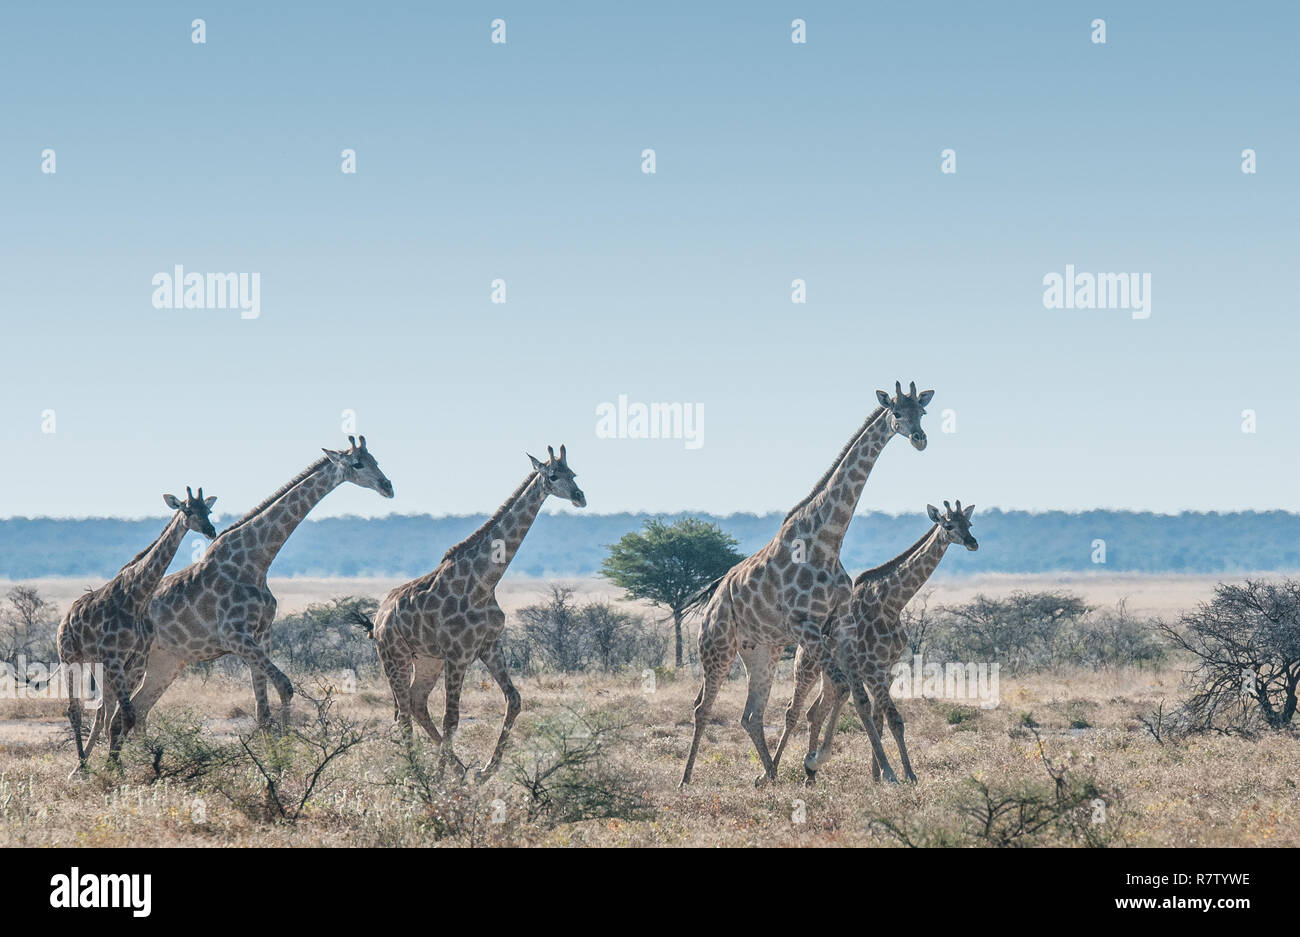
560,635
28,623
1245,650
1029,632
1027,772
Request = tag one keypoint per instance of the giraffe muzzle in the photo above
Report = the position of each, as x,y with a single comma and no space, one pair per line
919,441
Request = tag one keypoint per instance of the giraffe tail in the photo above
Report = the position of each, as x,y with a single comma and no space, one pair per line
700,598
361,618
38,686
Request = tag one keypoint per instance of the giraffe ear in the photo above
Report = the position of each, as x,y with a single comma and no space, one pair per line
171,502
209,501
883,398
925,398
331,455
933,512
536,465
969,510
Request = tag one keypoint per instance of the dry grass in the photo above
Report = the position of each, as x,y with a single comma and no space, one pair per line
1199,792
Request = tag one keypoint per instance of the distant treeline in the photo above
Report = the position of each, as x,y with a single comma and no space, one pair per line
575,544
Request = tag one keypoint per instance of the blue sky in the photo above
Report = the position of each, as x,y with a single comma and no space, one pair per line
774,161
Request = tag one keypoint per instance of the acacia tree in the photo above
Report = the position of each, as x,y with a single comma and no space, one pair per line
667,564
27,625
1245,645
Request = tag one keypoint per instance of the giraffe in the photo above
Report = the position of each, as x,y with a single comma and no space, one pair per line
221,604
447,619
110,625
876,638
795,588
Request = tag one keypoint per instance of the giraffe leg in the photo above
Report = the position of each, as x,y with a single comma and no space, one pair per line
760,664
844,675
877,720
117,687
161,671
397,661
97,724
104,708
495,660
425,675
134,668
805,675
821,652
259,661
880,696
74,680
862,703
455,679
717,651
826,711
261,703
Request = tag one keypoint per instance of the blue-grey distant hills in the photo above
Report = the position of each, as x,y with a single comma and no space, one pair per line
575,544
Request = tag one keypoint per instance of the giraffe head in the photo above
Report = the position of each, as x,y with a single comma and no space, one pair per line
557,477
954,525
196,509
905,411
359,467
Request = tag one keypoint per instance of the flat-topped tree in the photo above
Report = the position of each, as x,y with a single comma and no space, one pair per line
668,564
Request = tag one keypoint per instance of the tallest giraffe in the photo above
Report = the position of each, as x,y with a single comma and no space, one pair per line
795,589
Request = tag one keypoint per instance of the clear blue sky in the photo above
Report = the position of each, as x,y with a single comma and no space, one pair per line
774,161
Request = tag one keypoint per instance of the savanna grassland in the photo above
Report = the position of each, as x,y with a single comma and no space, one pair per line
595,760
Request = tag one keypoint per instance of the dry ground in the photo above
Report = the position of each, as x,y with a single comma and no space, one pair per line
1146,595
1202,791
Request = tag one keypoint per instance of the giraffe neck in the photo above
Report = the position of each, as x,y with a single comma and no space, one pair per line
147,569
491,548
905,580
820,486
256,541
830,510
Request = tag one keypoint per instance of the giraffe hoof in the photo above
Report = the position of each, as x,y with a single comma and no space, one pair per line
810,780
761,780
891,777
79,773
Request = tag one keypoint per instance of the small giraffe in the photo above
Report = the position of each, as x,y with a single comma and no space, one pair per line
449,618
795,588
877,638
221,605
110,626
